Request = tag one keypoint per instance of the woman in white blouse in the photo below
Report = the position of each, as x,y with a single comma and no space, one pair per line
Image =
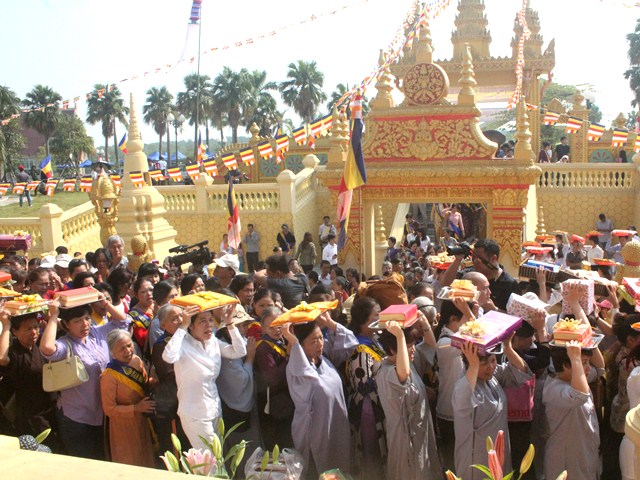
196,355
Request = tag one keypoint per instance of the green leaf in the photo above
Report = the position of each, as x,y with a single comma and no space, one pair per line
276,453
231,430
176,442
483,469
207,443
185,466
238,457
221,428
265,461
509,476
43,436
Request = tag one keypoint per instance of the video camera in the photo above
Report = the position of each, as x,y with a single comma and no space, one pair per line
463,248
197,254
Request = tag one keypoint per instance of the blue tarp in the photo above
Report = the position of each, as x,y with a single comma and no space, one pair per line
181,156
155,156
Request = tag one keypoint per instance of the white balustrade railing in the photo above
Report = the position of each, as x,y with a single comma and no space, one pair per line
78,222
587,176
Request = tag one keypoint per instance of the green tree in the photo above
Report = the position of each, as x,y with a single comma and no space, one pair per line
337,94
303,89
260,106
190,107
633,73
43,113
71,141
159,105
106,107
11,139
632,120
232,91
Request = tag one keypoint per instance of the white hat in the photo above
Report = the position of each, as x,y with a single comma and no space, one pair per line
48,261
228,261
239,316
63,260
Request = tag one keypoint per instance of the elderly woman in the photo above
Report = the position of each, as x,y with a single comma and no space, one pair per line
115,253
79,412
197,356
480,406
275,407
163,293
320,425
124,400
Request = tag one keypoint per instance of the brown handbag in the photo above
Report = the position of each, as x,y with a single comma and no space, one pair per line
386,291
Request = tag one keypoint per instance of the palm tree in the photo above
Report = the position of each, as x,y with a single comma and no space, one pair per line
11,139
633,74
337,94
303,91
187,102
231,91
106,107
159,104
43,113
260,106
9,103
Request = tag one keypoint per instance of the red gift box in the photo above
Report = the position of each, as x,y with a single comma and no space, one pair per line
15,242
632,285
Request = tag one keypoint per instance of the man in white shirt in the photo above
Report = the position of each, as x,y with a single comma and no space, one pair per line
326,229
595,251
325,273
330,251
605,227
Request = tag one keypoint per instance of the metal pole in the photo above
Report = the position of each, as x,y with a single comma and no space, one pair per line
196,146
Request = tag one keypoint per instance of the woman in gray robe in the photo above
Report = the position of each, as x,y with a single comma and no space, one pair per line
412,452
480,407
320,427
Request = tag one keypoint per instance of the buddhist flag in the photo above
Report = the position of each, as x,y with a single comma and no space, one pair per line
300,135
573,125
175,174
327,123
233,223
202,149
265,150
247,156
619,137
355,174
316,127
31,186
196,6
282,145
85,184
137,178
551,118
116,179
45,166
636,148
69,185
123,144
311,141
595,132
210,167
50,187
229,161
19,188
4,187
65,104
193,171
156,175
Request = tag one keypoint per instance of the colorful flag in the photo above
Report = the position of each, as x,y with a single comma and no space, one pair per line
355,174
123,144
19,187
211,168
551,118
282,145
316,128
50,187
4,187
300,135
69,185
85,184
137,178
247,157
193,171
573,125
45,166
196,6
595,132
175,174
156,175
265,150
619,137
311,142
202,149
229,161
636,148
233,223
65,104
327,123
31,186
116,179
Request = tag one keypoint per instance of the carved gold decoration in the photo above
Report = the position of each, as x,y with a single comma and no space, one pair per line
426,139
425,84
503,197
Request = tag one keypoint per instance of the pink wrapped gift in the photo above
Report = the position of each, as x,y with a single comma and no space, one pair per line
524,306
586,300
15,242
487,331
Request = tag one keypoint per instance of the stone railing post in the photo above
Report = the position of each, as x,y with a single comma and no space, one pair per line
201,183
51,219
286,181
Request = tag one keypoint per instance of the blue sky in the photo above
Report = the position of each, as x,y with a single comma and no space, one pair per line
72,44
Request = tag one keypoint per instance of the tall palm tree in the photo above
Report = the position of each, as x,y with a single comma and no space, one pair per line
260,106
159,104
11,139
187,102
231,91
44,111
303,91
633,73
107,107
337,94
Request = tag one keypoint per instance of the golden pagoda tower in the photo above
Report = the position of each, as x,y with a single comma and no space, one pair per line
471,28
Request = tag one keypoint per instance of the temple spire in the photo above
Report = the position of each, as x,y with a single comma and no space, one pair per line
471,28
523,150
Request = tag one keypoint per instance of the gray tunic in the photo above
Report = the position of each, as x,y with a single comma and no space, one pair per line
574,435
320,427
411,443
481,414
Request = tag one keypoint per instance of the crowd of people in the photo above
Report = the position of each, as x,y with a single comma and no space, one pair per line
391,403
